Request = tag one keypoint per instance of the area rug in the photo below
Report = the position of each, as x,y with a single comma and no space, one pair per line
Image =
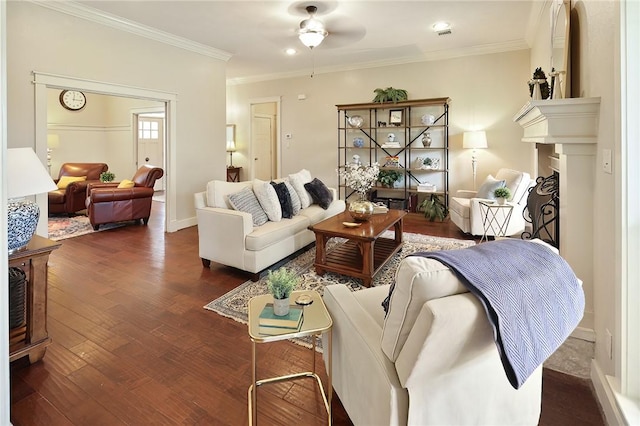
63,227
234,303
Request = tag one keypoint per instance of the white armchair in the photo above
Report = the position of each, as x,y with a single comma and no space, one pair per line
431,361
464,208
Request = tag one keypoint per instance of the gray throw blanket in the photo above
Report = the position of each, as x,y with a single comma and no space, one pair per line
532,298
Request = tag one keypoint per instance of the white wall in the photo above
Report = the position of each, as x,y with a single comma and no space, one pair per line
485,91
44,40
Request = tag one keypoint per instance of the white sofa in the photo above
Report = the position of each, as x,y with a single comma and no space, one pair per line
228,236
464,208
431,361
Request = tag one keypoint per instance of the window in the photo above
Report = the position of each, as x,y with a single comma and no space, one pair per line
147,129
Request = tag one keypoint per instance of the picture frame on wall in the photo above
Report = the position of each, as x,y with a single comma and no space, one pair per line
395,117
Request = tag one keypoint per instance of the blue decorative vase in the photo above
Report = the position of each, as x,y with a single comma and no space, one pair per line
22,220
358,142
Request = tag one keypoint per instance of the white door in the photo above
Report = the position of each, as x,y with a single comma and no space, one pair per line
150,144
263,141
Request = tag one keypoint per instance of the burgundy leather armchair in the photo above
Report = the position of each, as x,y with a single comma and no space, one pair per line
106,203
72,199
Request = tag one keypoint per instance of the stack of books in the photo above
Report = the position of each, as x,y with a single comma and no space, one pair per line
272,324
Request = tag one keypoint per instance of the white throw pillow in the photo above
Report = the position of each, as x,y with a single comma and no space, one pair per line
295,200
218,191
297,181
268,199
489,185
246,201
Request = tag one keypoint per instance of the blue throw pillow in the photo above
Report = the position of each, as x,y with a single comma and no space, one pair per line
285,199
489,185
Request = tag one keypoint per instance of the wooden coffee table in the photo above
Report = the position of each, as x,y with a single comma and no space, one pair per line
365,252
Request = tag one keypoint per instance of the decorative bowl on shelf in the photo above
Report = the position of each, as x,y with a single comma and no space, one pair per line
355,121
428,119
358,142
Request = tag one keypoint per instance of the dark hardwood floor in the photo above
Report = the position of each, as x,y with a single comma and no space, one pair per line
133,345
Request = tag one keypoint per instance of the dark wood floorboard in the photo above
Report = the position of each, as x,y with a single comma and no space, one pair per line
132,344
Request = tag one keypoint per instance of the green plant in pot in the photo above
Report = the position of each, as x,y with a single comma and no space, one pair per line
390,95
388,178
107,176
434,208
502,194
280,284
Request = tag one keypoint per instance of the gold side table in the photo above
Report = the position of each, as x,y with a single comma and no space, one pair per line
316,321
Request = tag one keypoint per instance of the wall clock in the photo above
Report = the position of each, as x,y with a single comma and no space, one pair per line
73,100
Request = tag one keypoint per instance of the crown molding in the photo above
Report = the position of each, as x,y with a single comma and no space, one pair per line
122,24
440,55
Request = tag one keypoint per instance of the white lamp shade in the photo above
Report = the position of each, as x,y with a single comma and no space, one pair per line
26,175
474,140
231,146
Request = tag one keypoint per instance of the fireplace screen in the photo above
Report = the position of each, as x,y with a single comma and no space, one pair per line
542,211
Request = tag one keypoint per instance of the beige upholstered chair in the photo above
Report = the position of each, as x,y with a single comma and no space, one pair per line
464,208
431,361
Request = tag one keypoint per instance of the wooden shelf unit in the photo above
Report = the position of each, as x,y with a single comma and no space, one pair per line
408,134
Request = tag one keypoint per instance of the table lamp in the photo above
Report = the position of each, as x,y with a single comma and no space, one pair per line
26,176
231,148
474,140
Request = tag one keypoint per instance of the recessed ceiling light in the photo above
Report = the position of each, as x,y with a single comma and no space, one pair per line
290,51
441,26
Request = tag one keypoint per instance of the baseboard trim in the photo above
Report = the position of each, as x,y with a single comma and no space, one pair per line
584,333
605,392
177,225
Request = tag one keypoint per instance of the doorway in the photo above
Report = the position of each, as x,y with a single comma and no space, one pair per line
44,81
264,147
149,137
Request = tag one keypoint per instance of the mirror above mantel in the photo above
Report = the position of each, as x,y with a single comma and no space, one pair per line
560,48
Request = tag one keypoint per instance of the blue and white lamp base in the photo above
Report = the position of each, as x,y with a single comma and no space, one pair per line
22,221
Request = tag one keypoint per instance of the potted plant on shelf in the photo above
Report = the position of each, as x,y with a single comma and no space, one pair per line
280,284
390,95
107,176
502,194
434,208
389,178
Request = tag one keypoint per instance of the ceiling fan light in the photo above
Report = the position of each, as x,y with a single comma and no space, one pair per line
441,26
312,38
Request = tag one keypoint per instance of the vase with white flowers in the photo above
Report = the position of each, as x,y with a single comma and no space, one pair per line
361,179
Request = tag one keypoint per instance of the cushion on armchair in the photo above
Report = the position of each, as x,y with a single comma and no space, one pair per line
126,183
489,185
64,181
417,280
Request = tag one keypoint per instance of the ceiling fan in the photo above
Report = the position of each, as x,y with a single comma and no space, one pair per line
312,31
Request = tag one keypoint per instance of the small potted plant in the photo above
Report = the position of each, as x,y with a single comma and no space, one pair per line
502,194
434,208
280,284
389,178
107,176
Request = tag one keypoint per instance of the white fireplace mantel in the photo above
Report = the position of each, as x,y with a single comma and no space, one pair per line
571,125
560,121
